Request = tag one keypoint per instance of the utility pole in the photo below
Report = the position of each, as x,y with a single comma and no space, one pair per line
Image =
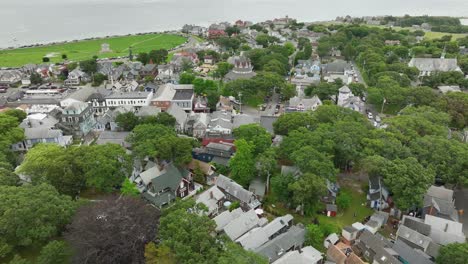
240,102
383,103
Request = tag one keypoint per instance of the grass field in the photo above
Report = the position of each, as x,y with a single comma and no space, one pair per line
86,49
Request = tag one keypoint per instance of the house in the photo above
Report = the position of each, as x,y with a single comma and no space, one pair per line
77,119
341,253
166,72
407,254
347,99
183,97
136,100
224,104
180,115
196,125
392,42
350,233
331,239
207,169
172,182
107,120
39,128
297,104
302,82
274,249
80,95
218,153
331,209
242,224
213,199
201,105
378,194
306,255
376,221
376,249
439,201
179,58
113,137
258,187
242,69
98,100
417,241
149,70
259,236
428,66
235,192
220,124
226,217
216,33
146,111
75,77
338,69
10,76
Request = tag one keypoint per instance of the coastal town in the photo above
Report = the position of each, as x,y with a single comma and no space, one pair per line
280,142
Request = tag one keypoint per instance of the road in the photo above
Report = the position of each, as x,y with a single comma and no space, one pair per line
269,110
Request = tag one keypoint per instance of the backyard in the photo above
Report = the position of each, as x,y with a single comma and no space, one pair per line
86,49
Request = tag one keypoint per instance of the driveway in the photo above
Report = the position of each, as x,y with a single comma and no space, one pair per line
461,203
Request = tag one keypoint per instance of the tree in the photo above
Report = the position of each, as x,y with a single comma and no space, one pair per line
186,78
288,91
56,165
162,118
20,115
290,47
453,253
129,188
158,255
42,211
234,253
17,259
222,69
408,181
106,166
343,200
55,252
280,186
266,164
45,59
114,230
199,175
89,66
310,160
292,121
158,56
64,56
98,79
243,163
307,190
314,236
256,135
265,40
232,30
127,121
8,178
143,57
188,234
35,78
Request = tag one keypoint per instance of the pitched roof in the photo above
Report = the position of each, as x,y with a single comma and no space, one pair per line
220,146
434,64
148,111
307,255
259,236
277,247
243,119
226,217
416,224
210,198
411,255
234,189
148,175
242,224
82,94
380,246
128,95
169,179
183,94
178,113
41,133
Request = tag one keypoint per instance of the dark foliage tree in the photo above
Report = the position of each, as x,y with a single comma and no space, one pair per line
114,230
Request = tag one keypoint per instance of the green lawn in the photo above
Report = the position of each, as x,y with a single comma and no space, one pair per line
436,35
86,49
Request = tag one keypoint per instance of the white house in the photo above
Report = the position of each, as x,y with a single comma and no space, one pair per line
133,99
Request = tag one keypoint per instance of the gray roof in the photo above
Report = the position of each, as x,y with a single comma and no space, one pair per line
234,189
411,255
337,66
277,247
219,146
148,111
307,255
416,224
183,94
442,200
307,103
241,225
170,178
437,64
445,231
226,217
41,133
259,236
380,246
179,114
413,236
210,198
82,94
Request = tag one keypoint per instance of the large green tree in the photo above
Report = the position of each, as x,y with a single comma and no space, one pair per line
31,215
256,135
242,165
307,190
453,253
55,252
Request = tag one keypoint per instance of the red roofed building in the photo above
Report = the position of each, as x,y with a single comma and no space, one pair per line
207,141
216,33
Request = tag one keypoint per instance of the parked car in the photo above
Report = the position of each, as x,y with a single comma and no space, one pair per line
3,89
377,118
370,116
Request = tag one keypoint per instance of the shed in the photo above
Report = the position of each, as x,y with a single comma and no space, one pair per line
332,209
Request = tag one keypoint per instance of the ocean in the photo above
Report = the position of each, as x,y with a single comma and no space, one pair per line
43,21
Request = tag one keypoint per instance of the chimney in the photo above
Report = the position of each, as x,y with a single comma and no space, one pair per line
211,195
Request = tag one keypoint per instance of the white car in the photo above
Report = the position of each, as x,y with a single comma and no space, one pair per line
370,116
376,124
